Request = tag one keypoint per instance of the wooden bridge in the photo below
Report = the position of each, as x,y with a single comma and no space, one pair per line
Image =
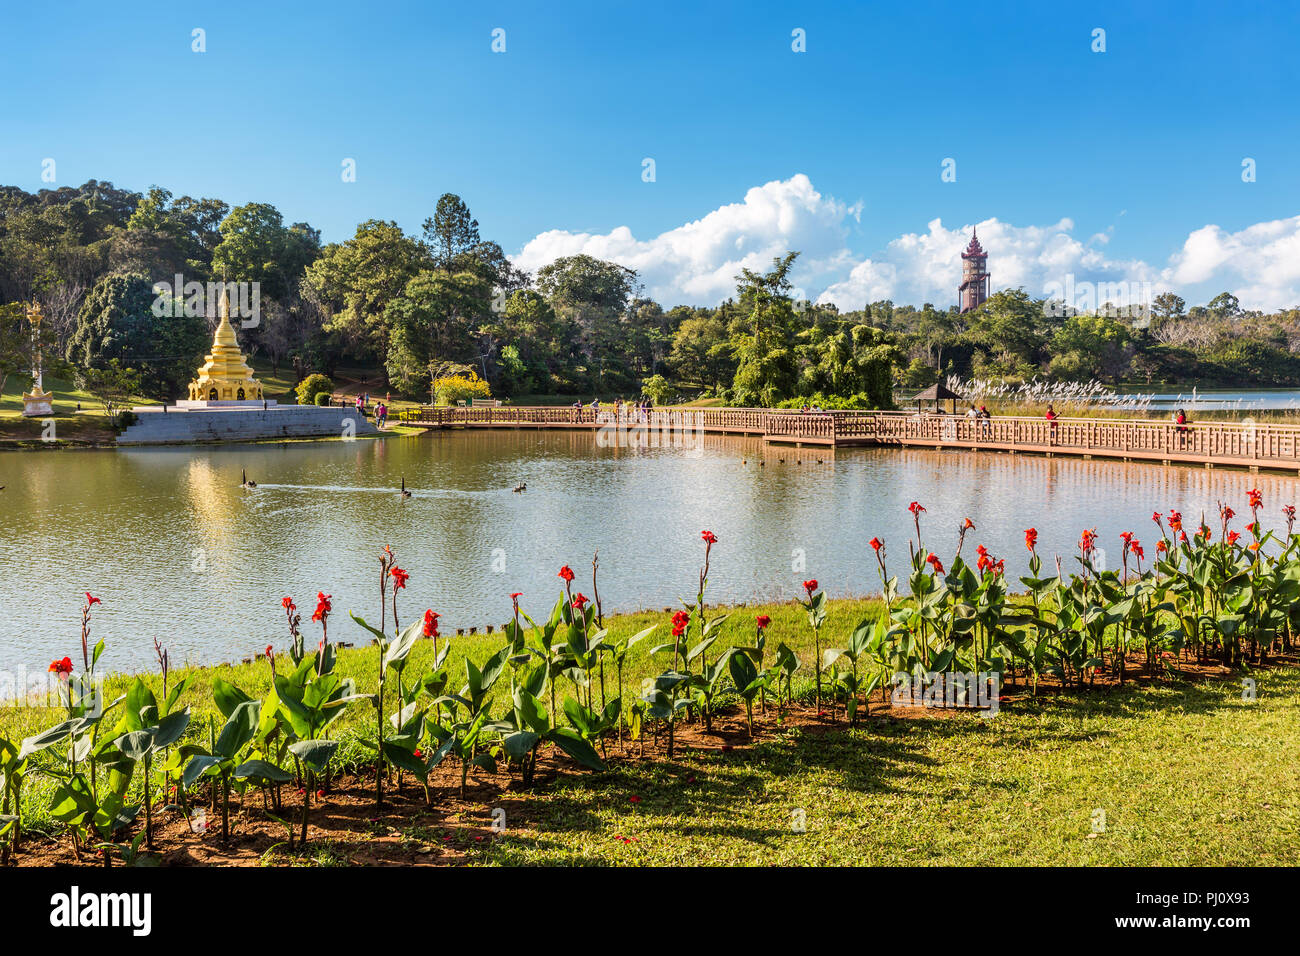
1236,444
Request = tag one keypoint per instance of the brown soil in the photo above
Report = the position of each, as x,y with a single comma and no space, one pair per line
407,831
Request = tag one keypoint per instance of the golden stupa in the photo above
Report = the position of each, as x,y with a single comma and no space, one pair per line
37,402
225,376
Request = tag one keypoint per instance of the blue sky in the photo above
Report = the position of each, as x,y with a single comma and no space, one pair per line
1139,149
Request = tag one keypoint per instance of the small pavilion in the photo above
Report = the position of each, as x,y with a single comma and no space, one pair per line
936,393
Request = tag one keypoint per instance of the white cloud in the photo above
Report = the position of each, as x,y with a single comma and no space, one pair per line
697,263
1259,264
926,267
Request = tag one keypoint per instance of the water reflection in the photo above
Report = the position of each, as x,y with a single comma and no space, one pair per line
178,551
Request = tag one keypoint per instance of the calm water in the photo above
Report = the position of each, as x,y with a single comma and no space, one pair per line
178,551
1211,400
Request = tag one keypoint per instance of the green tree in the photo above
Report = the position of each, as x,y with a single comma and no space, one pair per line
657,389
117,321
451,231
766,372
1168,306
112,385
1225,305
1091,346
354,281
435,318
701,351
257,247
1009,328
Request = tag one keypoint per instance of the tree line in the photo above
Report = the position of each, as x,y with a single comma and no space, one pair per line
449,298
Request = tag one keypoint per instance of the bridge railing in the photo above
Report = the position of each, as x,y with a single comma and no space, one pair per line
1114,437
1194,441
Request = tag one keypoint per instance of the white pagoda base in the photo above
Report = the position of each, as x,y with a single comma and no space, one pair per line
241,421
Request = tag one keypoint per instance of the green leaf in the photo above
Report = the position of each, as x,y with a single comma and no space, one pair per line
227,697
577,748
199,765
262,770
136,743
400,648
171,728
239,729
314,753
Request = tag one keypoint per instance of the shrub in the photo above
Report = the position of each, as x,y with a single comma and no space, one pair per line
657,389
450,389
323,398
310,386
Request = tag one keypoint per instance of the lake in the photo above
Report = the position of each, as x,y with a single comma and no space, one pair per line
179,552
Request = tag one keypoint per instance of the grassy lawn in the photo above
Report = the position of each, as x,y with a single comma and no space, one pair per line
1185,772
87,425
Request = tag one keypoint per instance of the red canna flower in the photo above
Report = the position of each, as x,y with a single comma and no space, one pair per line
709,537
399,577
1156,517
323,606
1253,546
1161,546
810,586
1226,513
1232,537
270,651
1175,520
580,601
1031,538
968,525
63,668
763,621
92,601
933,561
287,604
431,623
876,544
566,572
916,508
1288,512
1087,540
680,620
1256,499
1136,548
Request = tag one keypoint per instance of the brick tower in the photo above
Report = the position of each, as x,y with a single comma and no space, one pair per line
974,287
